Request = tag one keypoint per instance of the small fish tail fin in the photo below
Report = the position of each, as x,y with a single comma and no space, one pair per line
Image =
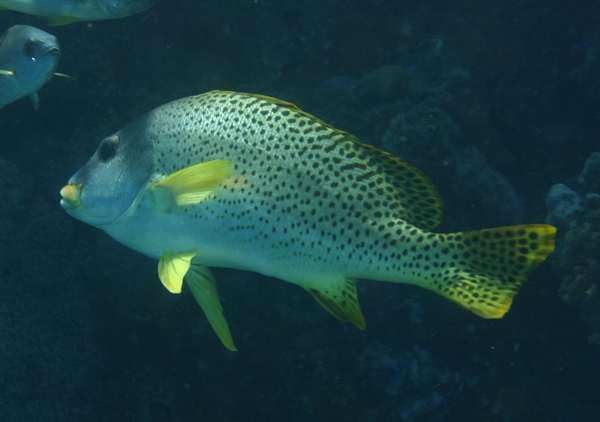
483,270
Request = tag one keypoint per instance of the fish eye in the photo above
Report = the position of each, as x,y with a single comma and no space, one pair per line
107,149
29,48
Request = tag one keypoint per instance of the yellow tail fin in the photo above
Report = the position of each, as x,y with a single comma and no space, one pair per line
483,270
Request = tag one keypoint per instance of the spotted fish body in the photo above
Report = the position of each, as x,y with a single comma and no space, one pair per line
249,182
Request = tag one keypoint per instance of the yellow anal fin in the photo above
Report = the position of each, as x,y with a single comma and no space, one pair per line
490,266
202,284
172,268
60,20
191,185
341,300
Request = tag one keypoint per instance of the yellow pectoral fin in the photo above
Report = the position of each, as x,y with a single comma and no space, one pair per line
341,300
202,284
172,268
191,185
60,20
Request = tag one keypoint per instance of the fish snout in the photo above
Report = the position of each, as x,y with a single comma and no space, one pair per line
71,194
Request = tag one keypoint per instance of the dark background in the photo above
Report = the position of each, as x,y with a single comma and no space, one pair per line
504,109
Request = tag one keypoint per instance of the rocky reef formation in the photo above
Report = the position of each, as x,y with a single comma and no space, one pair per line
577,213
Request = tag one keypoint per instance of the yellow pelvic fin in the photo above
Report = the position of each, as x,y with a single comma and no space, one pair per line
172,268
202,284
340,299
486,268
60,20
191,185
7,72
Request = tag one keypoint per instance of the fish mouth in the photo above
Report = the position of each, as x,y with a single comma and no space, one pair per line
71,195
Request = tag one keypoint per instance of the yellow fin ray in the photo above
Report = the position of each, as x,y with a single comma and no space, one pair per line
340,299
491,266
172,268
191,185
202,284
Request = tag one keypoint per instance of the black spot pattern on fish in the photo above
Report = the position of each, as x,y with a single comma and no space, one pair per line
298,183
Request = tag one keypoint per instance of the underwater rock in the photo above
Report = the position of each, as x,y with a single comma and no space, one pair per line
579,252
387,83
487,190
589,179
423,136
580,258
591,201
564,205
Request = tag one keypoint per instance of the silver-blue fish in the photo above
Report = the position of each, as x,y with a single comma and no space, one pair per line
28,59
62,12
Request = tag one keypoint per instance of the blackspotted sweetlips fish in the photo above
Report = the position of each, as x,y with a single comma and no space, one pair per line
63,12
245,181
28,58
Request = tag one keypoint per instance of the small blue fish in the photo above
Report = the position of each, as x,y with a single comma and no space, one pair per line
63,12
28,58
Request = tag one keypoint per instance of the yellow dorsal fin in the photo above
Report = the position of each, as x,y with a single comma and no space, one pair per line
191,185
202,284
172,268
60,20
491,265
339,297
421,201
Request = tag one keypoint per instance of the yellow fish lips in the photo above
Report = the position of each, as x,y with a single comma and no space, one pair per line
71,194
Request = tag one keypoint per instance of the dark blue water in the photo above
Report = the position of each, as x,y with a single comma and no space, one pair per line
495,101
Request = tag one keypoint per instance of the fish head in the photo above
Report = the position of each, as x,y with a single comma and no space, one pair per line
107,186
121,8
34,54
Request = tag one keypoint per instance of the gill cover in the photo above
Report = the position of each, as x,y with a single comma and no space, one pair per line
108,184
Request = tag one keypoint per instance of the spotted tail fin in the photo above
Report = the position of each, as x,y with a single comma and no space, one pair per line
483,270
